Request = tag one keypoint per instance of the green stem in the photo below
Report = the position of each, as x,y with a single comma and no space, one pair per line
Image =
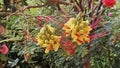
6,40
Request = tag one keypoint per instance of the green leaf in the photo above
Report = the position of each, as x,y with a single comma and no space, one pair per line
11,39
3,57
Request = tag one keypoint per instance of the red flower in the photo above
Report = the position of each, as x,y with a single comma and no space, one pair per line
71,51
4,49
109,3
69,47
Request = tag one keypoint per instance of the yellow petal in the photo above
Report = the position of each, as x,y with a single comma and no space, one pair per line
80,39
51,41
40,42
70,24
87,22
73,34
42,31
56,46
79,43
57,38
45,45
87,28
47,50
87,39
51,28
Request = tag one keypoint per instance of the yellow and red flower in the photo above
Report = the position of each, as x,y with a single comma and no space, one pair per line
80,34
47,39
78,29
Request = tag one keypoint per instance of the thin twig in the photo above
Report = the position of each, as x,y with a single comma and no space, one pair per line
28,7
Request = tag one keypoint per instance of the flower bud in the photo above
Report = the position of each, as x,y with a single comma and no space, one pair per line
110,14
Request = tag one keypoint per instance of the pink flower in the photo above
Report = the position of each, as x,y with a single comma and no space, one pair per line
109,3
4,49
40,18
110,14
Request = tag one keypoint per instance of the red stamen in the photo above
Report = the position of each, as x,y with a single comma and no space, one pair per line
79,41
78,35
51,47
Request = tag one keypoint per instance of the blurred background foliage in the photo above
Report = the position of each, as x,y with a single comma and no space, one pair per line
22,28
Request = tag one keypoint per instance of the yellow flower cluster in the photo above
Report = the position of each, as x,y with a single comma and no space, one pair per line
47,39
78,29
